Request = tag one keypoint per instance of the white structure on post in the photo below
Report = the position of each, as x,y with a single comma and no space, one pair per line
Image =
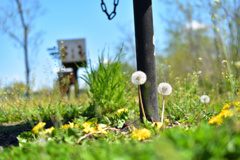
72,51
73,55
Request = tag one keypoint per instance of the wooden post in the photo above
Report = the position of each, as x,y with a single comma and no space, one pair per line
75,69
146,57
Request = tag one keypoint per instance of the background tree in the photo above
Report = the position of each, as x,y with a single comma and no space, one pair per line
226,21
201,29
17,19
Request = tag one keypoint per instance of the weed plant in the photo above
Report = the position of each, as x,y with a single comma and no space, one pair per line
109,87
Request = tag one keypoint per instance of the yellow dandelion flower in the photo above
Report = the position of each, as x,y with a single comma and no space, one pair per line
65,126
167,120
238,109
141,134
158,124
92,127
122,110
101,130
226,113
49,130
217,119
87,124
227,106
71,125
39,126
89,129
237,103
77,125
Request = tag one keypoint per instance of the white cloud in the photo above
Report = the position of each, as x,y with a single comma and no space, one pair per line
196,25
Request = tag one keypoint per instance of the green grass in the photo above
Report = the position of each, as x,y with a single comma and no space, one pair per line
174,143
110,90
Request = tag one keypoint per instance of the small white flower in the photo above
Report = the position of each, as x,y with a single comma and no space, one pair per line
199,58
205,99
139,78
164,88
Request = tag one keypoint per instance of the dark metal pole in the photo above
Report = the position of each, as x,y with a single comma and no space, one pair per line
146,57
76,82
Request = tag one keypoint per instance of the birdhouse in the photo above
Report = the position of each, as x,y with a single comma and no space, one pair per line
73,52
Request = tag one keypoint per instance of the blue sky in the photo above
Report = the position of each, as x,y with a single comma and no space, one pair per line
70,20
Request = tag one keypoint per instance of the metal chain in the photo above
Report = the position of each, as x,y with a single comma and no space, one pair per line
104,9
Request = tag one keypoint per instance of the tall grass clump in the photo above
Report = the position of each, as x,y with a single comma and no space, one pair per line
108,87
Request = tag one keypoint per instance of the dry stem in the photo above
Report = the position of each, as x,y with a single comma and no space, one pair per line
89,134
139,89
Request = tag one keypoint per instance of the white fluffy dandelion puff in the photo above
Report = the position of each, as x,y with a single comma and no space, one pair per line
139,78
205,99
164,89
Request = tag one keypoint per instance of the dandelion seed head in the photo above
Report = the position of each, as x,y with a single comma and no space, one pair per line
205,99
139,78
164,88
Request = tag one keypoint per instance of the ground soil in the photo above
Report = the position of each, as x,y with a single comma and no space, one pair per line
10,131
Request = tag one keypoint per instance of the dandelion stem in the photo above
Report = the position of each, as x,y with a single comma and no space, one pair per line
163,109
206,107
140,96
